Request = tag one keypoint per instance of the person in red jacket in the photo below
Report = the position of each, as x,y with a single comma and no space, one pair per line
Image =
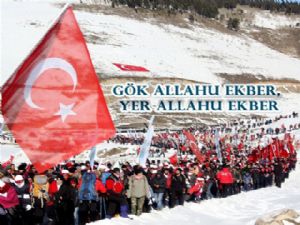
115,194
225,179
8,202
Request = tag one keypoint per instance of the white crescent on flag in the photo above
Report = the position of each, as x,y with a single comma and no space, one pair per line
42,66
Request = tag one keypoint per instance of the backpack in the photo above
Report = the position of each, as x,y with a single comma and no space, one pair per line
40,186
87,190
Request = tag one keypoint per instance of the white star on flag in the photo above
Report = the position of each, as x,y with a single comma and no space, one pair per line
65,111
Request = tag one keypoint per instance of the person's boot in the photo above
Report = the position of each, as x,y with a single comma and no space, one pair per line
124,211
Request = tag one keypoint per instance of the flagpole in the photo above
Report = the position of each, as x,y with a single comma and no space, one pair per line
55,21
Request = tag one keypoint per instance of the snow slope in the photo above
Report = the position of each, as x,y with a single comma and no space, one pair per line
242,209
265,19
195,53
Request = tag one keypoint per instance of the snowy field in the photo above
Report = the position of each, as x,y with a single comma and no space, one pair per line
265,19
193,53
242,209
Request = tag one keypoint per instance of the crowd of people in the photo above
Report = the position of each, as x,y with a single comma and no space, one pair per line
75,193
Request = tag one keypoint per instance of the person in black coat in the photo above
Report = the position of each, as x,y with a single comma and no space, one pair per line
65,203
256,177
24,209
158,184
178,188
278,170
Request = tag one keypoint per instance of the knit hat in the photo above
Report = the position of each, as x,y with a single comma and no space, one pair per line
65,172
19,178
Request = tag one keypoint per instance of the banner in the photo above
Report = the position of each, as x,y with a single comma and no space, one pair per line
217,144
144,150
92,156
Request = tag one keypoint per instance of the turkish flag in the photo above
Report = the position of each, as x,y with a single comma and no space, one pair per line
8,162
173,159
53,103
194,146
131,68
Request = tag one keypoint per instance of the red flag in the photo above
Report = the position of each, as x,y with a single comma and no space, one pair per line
291,147
228,148
193,146
53,103
240,146
173,159
131,68
271,152
8,162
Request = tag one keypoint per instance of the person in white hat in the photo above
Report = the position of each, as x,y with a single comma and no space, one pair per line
23,190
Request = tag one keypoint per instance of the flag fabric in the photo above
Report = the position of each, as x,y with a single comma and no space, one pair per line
53,103
131,68
290,147
8,162
174,159
144,150
194,147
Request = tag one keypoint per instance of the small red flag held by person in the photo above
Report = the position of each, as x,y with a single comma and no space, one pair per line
173,159
53,103
194,146
8,162
131,68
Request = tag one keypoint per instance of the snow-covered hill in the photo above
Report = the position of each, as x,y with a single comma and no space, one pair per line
194,53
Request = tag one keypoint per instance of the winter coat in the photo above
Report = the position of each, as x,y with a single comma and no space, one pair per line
193,179
178,183
255,175
99,186
52,190
65,199
168,181
23,195
114,185
225,176
158,183
9,197
278,169
237,176
65,193
138,186
247,179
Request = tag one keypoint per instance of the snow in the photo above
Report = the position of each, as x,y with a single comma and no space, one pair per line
265,19
7,150
193,53
287,223
242,209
